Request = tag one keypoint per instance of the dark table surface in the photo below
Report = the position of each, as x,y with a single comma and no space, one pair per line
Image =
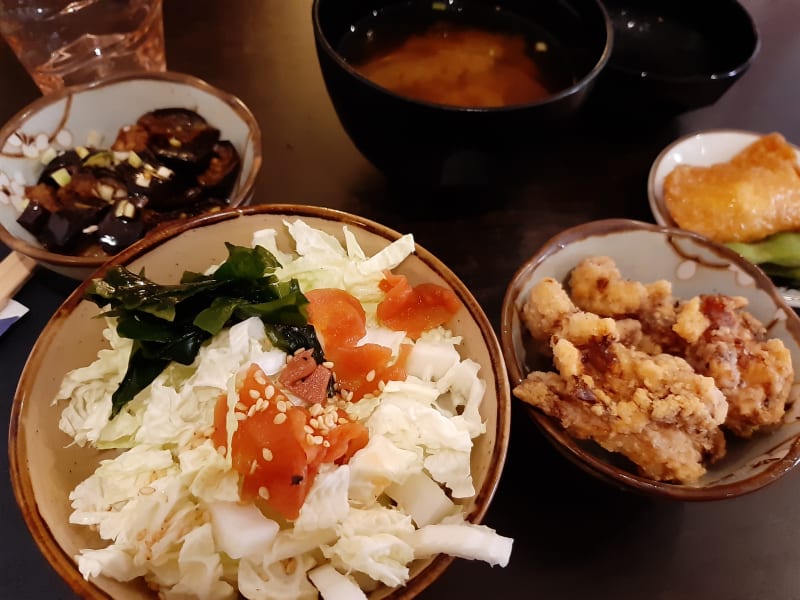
575,537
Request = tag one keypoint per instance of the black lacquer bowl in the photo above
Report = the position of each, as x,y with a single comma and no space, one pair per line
443,145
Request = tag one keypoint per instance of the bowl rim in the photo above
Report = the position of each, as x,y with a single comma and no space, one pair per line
656,200
64,565
721,76
567,445
239,107
576,87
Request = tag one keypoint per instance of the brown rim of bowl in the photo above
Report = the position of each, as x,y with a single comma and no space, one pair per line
239,107
23,490
569,446
657,205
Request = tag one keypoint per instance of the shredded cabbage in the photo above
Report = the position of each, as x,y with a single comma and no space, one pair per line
167,505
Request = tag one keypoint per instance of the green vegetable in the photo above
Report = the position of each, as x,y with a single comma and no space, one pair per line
781,249
170,322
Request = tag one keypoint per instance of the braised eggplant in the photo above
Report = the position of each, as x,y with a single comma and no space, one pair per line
168,165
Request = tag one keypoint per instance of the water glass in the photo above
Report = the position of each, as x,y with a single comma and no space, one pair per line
63,42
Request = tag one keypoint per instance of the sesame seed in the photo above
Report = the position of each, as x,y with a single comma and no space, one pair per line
314,423
308,429
254,394
309,439
381,385
269,392
147,490
222,450
260,379
240,416
240,406
251,411
279,418
281,406
263,492
327,364
267,454
342,421
317,440
253,467
371,375
315,410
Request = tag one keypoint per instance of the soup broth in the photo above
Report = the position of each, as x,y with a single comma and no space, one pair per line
466,54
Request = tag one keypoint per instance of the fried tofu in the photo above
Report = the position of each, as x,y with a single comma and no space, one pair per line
751,196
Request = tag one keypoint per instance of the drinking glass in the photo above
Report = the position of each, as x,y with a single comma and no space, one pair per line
62,42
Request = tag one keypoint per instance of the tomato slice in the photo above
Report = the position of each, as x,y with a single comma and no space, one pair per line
415,309
271,448
360,369
337,315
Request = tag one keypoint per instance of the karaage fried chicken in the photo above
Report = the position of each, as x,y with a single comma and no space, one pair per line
654,409
714,333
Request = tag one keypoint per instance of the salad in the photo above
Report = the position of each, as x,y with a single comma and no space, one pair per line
292,423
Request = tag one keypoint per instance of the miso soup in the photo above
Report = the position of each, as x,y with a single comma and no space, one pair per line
464,53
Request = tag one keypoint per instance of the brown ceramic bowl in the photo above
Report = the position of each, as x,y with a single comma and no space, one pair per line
694,265
91,115
45,467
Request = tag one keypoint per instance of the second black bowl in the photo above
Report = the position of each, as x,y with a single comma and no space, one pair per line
672,56
440,144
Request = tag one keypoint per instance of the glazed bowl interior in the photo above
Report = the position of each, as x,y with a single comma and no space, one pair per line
694,265
45,466
92,114
438,143
671,56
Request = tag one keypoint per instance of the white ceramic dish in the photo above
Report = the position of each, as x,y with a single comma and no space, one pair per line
83,114
703,148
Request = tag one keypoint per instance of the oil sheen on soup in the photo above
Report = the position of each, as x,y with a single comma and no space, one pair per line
464,54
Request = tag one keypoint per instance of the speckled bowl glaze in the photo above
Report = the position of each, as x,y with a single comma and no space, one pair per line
694,265
45,467
96,111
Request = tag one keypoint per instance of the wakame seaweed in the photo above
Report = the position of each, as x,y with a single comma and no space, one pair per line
170,322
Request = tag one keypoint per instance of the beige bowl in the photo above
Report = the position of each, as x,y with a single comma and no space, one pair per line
44,468
82,114
694,265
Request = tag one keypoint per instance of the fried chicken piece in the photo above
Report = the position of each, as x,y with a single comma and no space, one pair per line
654,409
729,344
751,196
715,334
596,285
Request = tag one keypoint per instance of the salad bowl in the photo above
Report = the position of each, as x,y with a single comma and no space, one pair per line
46,464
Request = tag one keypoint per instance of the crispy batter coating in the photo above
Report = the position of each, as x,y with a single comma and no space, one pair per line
753,195
654,409
714,333
649,375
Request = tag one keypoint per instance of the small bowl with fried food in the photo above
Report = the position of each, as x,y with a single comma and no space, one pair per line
656,360
739,188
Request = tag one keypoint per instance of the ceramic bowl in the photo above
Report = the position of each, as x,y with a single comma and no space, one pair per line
420,142
695,265
672,56
45,466
92,114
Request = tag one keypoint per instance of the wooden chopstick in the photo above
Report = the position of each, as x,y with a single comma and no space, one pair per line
15,270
